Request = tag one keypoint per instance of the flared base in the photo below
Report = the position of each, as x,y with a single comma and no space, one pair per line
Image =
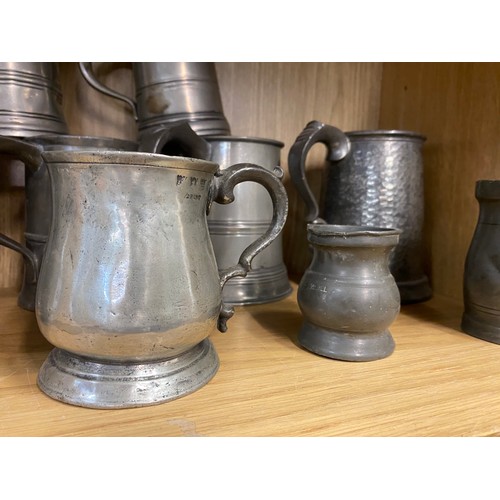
414,291
480,329
259,286
346,346
85,382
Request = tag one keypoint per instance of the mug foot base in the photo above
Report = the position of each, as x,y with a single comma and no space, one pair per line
480,329
346,346
89,383
415,291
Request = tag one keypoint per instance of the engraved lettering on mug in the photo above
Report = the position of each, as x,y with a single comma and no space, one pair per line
202,183
193,181
180,179
190,196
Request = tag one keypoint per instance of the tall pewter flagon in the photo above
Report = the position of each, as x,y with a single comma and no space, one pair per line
129,290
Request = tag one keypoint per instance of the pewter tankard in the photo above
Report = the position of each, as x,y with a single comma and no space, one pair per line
30,99
375,178
38,205
233,227
129,289
481,281
171,92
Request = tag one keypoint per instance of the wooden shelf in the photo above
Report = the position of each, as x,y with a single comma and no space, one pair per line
438,382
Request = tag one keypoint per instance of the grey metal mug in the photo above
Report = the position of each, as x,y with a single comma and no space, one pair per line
481,280
375,178
129,291
347,295
38,204
171,92
233,227
30,99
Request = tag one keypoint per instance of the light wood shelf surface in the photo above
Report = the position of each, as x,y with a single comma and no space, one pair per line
438,382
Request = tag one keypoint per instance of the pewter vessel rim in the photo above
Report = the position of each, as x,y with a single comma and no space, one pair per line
488,189
54,139
244,138
387,134
344,231
132,158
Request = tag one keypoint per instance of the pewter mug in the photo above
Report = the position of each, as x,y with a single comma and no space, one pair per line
129,289
233,227
171,92
375,178
347,295
30,99
38,204
481,281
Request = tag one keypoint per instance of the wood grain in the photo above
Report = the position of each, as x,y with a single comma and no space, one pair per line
438,382
457,106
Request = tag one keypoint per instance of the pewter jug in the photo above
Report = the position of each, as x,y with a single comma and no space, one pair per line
38,205
481,281
171,92
375,178
129,291
347,295
30,99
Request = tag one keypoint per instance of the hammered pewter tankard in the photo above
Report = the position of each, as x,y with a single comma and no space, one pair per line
30,99
481,281
347,295
38,204
171,92
233,227
375,178
129,291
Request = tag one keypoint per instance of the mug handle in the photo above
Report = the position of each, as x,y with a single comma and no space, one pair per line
223,193
180,136
31,156
88,73
338,145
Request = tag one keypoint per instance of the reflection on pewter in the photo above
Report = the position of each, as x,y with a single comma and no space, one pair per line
375,178
129,289
348,296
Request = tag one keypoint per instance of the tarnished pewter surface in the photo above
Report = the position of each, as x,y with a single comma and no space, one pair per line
348,296
481,280
129,280
377,180
172,92
30,99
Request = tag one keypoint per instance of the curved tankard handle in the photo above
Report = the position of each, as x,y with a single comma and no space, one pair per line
338,145
88,73
223,193
31,156
179,136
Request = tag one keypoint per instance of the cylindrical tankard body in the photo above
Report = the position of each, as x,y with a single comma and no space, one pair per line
481,281
347,295
375,178
38,204
232,227
129,289
167,93
30,99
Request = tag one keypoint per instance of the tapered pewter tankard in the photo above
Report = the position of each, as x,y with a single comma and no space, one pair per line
129,291
348,296
170,92
375,178
38,205
481,281
233,227
30,99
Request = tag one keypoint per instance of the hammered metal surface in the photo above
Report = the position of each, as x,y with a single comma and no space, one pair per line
380,183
